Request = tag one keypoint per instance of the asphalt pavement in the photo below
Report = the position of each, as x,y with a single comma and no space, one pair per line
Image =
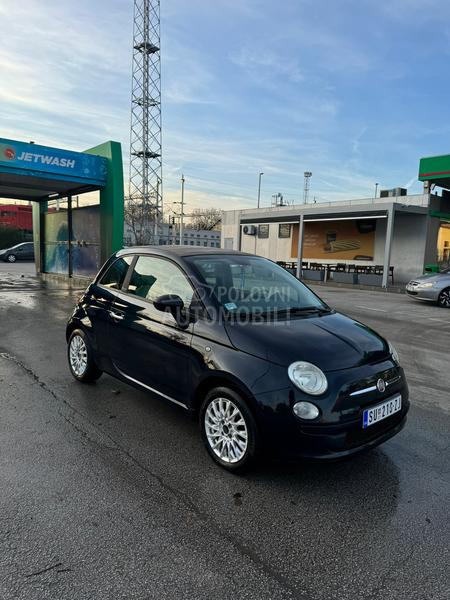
107,493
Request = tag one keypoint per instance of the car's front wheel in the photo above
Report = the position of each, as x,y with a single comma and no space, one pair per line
11,258
81,360
229,430
444,298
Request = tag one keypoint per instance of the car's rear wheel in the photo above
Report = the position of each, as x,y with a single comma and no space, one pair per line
444,298
81,360
11,258
229,430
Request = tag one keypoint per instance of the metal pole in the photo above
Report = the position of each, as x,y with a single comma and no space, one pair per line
388,246
155,224
376,190
69,236
182,210
259,188
300,246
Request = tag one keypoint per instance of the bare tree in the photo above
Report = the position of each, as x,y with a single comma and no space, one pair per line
206,218
138,221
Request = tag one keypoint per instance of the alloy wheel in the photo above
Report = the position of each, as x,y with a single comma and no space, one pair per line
11,258
444,298
78,355
226,430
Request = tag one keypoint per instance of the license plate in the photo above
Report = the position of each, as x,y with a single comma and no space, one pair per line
377,413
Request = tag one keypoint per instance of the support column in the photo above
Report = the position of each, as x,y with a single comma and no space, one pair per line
111,200
301,227
388,246
39,209
69,236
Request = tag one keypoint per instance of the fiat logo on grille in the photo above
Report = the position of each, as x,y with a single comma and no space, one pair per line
381,385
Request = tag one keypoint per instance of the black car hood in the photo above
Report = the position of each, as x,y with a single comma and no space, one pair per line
331,342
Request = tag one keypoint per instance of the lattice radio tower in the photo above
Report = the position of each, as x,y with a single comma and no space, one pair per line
307,178
145,139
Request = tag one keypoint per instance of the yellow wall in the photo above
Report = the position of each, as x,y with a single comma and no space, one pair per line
443,245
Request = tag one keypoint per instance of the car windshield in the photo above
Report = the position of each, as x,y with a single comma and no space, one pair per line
253,284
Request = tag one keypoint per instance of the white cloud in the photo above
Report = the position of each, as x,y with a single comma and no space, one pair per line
62,74
260,98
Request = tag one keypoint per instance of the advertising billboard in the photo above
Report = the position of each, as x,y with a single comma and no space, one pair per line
337,240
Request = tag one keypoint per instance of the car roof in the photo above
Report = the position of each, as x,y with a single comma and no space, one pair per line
179,251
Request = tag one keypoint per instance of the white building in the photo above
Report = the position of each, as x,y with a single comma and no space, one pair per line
169,235
373,241
192,237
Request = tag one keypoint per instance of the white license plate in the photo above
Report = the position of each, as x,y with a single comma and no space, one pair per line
381,411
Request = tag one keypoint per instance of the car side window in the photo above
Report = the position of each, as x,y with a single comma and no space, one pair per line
115,275
153,277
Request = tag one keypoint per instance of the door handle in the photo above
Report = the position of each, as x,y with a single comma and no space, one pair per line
116,316
119,304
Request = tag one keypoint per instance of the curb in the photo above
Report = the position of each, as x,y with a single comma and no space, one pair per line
69,282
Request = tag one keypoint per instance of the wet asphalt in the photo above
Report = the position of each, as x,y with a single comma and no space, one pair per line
107,493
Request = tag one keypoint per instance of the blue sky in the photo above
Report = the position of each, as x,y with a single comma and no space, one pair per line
355,91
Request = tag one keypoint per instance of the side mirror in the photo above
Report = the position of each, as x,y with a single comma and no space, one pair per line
175,305
169,302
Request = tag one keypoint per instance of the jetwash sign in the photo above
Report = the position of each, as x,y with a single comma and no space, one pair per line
42,159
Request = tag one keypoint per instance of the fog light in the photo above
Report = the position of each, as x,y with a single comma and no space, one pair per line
306,410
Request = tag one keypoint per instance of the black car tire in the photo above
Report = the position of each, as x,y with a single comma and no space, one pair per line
88,372
11,258
234,401
444,298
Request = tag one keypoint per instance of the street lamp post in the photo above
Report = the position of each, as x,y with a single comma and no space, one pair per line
376,190
182,210
259,188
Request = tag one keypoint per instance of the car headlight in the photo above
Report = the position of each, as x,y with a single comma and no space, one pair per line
422,286
308,378
393,352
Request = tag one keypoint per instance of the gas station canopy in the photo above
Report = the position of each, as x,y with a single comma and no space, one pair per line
436,170
40,173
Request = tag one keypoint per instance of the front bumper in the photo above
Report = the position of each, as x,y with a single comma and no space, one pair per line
331,443
430,294
338,432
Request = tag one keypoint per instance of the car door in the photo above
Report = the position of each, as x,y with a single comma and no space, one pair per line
19,252
28,251
148,346
99,298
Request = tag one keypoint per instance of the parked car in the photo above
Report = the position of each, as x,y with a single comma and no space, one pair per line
23,251
434,288
263,363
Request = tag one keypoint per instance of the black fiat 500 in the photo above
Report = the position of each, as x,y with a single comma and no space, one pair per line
234,339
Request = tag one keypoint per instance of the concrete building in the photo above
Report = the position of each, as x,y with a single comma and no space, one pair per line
386,239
